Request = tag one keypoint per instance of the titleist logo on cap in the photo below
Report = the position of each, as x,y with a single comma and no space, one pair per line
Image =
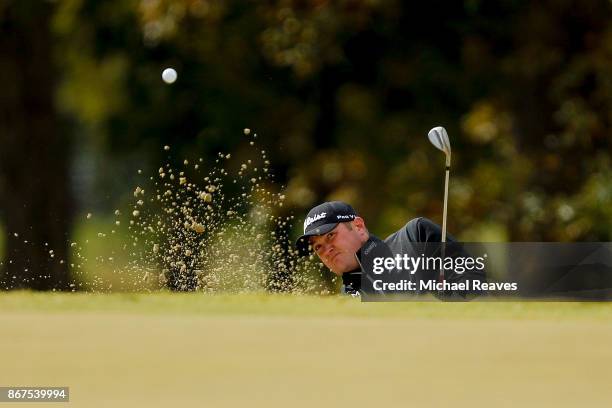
310,220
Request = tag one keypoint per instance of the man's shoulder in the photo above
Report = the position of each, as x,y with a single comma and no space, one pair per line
419,229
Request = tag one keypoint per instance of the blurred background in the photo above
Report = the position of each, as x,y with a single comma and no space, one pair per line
341,95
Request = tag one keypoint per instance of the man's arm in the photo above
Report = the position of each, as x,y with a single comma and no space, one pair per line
424,231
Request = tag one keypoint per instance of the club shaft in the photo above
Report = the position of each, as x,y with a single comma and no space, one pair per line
443,248
445,204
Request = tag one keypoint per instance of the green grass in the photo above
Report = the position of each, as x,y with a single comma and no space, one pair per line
169,349
290,305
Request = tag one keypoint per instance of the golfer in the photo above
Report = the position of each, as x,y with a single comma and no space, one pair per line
340,238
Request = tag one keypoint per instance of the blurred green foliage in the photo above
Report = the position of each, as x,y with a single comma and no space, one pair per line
345,92
342,95
102,259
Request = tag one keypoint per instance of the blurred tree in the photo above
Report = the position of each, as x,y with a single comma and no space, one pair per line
521,87
34,183
342,94
546,119
346,91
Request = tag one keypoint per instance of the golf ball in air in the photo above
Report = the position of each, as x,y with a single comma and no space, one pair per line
169,75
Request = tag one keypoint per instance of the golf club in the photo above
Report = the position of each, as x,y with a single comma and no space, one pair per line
439,138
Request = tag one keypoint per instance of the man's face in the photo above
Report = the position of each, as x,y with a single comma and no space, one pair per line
337,248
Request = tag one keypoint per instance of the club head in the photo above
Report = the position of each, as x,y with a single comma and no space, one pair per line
439,138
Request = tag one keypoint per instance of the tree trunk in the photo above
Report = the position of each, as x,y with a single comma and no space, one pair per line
35,199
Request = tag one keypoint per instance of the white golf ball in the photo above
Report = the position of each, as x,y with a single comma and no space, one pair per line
169,75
